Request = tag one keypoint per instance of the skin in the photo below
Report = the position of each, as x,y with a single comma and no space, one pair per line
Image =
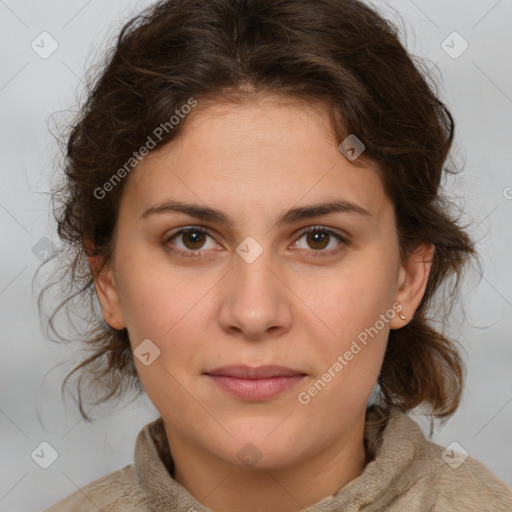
253,161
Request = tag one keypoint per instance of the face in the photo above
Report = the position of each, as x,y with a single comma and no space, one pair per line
264,281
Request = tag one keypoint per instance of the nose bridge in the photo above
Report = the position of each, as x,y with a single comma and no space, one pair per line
256,300
253,269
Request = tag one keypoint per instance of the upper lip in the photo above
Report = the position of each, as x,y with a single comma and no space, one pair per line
255,372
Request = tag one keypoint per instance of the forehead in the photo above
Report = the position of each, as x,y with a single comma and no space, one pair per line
256,155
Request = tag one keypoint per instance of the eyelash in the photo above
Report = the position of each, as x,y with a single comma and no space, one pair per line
199,254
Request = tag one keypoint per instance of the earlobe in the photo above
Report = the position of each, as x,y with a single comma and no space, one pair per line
412,282
108,295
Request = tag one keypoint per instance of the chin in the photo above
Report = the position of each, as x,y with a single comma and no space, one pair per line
264,448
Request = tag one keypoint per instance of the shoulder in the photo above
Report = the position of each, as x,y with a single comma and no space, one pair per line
463,482
417,474
117,491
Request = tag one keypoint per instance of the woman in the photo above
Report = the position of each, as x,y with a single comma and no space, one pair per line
253,196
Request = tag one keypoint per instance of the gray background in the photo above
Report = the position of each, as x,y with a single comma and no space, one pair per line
477,88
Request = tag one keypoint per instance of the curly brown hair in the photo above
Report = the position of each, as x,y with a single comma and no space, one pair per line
341,52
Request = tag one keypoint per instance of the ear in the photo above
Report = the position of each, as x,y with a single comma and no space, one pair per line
108,294
412,282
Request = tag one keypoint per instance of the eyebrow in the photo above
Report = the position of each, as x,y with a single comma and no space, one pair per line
289,217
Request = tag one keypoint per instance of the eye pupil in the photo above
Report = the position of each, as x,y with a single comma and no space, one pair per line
318,237
195,237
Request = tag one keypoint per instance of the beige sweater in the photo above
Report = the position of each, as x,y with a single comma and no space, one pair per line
407,474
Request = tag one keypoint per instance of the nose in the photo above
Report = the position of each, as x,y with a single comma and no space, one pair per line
256,301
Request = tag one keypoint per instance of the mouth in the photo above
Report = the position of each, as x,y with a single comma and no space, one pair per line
255,383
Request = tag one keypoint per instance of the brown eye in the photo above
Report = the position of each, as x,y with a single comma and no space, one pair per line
317,239
189,241
193,239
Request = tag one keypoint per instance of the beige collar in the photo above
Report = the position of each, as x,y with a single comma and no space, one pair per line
398,465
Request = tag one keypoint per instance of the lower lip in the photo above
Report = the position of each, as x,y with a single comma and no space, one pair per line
256,389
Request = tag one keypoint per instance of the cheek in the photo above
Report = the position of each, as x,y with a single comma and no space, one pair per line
348,367
170,309
355,307
351,299
155,298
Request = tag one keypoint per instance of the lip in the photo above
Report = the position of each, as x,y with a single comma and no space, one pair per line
255,383
243,371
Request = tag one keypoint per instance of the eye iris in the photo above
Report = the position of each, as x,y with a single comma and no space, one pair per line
195,237
318,237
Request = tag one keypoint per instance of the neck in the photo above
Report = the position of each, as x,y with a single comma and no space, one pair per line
223,486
